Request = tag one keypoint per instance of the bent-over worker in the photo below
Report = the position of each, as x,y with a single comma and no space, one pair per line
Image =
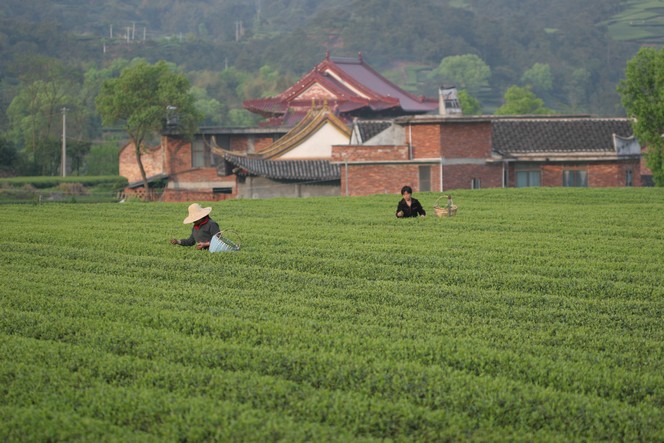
202,231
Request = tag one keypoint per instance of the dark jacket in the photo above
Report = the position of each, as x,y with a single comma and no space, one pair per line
201,233
413,210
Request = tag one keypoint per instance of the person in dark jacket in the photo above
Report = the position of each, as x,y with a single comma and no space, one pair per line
203,230
409,206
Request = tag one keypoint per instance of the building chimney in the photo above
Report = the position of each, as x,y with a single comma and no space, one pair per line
448,101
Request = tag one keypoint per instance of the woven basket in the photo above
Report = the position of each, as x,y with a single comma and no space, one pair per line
225,241
444,211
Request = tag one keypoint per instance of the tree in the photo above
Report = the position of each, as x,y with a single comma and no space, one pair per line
519,101
35,112
469,104
140,99
7,155
642,95
464,71
539,76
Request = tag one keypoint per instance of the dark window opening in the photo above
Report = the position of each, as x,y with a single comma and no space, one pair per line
425,178
575,178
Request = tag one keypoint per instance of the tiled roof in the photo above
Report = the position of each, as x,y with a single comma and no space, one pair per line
309,170
151,179
368,129
363,74
521,136
351,85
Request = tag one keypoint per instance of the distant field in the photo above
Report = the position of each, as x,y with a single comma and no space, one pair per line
533,315
642,21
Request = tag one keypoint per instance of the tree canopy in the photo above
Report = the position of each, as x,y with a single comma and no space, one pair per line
520,100
466,71
146,98
642,95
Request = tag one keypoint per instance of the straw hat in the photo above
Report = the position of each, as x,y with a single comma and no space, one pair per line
196,212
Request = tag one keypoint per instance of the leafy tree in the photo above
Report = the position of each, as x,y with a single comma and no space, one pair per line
8,155
539,76
35,112
518,101
642,95
464,71
210,108
76,153
469,104
577,88
103,159
241,118
141,97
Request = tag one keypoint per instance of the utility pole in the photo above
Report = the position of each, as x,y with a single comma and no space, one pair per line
64,141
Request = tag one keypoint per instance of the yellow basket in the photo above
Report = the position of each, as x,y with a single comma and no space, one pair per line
448,210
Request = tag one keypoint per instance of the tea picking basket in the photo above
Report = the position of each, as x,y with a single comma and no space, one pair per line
448,210
225,241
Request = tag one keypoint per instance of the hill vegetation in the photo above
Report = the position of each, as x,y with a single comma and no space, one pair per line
570,54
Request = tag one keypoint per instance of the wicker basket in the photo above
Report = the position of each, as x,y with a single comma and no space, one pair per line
448,210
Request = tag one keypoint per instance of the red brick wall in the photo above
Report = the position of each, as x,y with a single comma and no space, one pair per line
152,159
600,175
425,140
460,176
368,153
454,139
239,144
177,155
249,143
261,143
177,195
466,140
645,170
378,179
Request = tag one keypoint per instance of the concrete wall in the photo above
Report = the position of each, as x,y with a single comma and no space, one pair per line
262,187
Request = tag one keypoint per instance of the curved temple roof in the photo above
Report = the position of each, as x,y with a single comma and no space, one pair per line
348,85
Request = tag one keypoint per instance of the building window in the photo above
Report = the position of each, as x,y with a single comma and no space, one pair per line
526,179
629,178
575,178
200,154
425,178
475,183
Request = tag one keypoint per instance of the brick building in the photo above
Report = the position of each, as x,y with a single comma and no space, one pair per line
192,170
441,152
345,130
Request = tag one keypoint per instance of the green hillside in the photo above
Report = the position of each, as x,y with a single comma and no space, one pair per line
641,21
532,315
57,54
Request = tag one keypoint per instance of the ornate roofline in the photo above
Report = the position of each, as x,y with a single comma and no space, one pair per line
331,75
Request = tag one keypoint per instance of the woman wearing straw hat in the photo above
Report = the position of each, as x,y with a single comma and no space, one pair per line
203,230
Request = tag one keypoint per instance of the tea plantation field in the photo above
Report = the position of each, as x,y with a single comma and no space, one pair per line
533,315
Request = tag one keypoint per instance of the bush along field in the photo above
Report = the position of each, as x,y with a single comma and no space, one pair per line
532,315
